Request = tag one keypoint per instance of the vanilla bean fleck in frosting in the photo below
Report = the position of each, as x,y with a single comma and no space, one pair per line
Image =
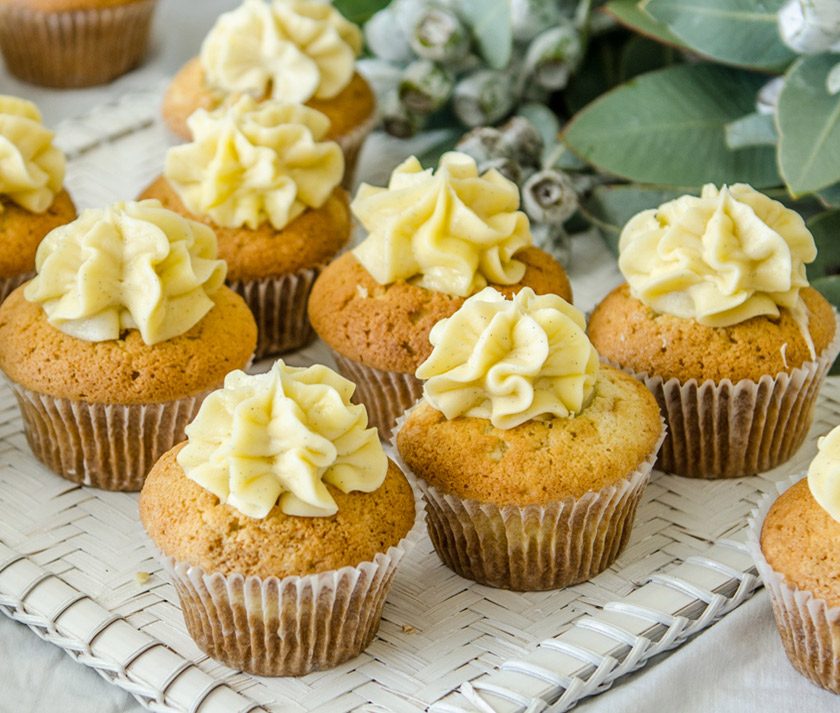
510,360
283,435
449,230
824,474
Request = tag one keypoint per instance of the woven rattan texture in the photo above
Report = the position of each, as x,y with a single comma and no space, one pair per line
75,565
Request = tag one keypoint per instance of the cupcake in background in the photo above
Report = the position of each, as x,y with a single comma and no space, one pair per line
112,346
795,540
280,521
264,177
530,457
434,238
74,43
32,196
718,320
300,51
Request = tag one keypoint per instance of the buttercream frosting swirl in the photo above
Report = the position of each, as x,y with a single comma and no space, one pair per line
132,265
292,50
285,434
449,230
31,167
255,162
824,474
510,360
720,258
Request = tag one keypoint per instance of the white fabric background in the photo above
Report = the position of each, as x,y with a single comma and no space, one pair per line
737,666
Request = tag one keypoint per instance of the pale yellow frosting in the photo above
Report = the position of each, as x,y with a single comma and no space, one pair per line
31,168
824,474
510,360
292,50
283,434
720,259
449,230
255,162
128,266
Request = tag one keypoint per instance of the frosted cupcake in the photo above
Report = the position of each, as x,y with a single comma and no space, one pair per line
111,347
531,458
32,198
796,544
300,51
281,522
434,238
717,319
265,179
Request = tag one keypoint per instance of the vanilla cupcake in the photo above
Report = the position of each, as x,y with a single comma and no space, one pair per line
795,540
530,457
280,521
299,51
32,197
265,179
717,319
434,238
111,347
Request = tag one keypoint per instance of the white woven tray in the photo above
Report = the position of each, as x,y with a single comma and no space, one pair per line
76,568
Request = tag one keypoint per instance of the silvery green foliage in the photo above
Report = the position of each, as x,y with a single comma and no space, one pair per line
810,26
530,17
484,96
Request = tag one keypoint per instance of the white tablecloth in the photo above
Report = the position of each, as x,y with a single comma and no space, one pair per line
737,666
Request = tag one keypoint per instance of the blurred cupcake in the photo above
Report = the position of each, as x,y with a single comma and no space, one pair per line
111,347
531,459
74,43
434,238
300,51
263,177
280,521
32,198
796,544
717,319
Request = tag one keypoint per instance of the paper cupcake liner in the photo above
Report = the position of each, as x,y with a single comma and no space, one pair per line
533,547
808,626
290,626
10,284
726,430
351,145
108,446
74,48
385,394
279,308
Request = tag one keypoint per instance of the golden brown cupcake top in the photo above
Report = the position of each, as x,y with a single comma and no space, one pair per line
628,333
541,460
801,541
387,326
189,523
39,357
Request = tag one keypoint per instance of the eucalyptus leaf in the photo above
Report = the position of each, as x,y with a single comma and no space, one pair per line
359,11
490,22
668,127
825,227
630,13
808,121
543,119
739,32
641,54
751,130
832,82
830,197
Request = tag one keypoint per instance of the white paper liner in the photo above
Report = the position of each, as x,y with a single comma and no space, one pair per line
532,547
279,308
808,626
351,144
726,430
74,48
294,625
10,284
385,394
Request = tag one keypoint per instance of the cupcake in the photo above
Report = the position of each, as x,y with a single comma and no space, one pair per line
280,521
796,544
434,238
32,198
74,43
718,320
300,51
111,347
263,177
530,457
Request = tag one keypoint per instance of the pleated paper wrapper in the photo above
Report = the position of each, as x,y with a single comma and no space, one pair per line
809,627
532,547
10,284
